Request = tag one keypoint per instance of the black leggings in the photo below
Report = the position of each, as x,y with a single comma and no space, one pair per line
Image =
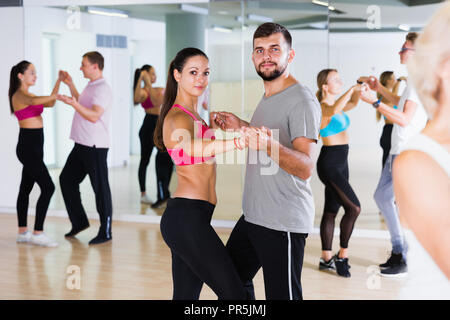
332,168
385,142
163,162
30,151
198,254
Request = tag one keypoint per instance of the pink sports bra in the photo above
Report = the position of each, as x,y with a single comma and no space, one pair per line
178,156
29,112
147,104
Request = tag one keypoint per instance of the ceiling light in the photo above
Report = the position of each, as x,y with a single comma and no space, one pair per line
324,4
403,27
255,17
107,12
193,9
222,29
320,3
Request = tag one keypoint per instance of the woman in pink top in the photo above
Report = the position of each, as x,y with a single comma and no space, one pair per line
198,254
30,150
150,99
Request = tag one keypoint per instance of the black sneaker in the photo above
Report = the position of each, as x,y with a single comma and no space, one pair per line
327,265
342,266
393,259
398,268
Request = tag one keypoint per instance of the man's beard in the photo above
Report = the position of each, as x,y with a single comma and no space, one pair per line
274,74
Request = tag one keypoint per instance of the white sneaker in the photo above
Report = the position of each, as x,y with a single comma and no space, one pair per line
145,199
42,240
24,237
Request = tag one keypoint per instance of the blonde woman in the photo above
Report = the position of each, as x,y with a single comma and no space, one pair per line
422,170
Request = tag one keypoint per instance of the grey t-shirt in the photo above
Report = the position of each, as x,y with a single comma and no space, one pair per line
272,197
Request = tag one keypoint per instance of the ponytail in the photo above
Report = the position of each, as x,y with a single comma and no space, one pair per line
14,81
137,74
171,90
319,95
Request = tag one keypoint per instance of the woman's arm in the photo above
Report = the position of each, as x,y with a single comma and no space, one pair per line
424,206
29,99
353,100
54,93
183,134
139,94
339,105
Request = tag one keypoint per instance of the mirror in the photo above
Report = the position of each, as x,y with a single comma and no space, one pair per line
130,36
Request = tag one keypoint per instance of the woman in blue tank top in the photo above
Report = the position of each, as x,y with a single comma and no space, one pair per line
332,168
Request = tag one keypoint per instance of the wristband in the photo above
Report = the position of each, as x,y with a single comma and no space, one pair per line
238,143
376,104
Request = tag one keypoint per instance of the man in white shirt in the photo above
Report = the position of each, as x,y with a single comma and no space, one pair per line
409,119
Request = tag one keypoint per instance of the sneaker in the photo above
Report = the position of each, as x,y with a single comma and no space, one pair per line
397,268
394,258
342,266
42,240
145,199
327,265
24,237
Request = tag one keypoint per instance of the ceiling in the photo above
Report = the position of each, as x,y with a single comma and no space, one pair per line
348,16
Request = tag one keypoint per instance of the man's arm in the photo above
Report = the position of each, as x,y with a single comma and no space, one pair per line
402,118
298,161
92,115
375,85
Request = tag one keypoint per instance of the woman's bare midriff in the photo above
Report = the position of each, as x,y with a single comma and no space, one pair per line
197,181
31,123
153,111
337,139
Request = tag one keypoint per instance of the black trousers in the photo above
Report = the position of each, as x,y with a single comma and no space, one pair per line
332,169
83,161
385,141
198,254
280,254
163,162
30,152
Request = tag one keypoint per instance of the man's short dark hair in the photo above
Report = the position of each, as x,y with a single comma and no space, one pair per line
95,57
269,28
412,36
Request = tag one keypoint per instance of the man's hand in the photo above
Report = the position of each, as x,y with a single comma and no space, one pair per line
66,99
367,95
226,120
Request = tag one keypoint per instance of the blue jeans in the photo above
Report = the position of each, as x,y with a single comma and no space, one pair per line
384,197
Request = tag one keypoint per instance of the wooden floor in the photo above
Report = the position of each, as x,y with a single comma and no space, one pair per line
137,265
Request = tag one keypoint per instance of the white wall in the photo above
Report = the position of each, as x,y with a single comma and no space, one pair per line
12,53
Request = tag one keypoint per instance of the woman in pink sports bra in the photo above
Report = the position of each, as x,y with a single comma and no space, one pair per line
150,98
30,150
198,254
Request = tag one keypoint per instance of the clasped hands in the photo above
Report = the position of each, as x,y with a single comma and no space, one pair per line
64,76
253,137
